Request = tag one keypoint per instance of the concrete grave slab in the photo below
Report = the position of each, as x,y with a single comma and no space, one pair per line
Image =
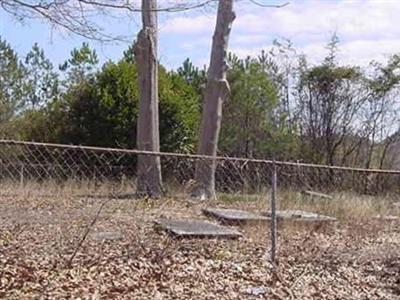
387,218
301,216
316,195
192,228
256,291
107,236
234,216
396,205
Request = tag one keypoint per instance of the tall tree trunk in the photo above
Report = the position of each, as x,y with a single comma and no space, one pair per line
386,147
217,90
149,182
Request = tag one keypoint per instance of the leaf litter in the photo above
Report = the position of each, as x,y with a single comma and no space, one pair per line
357,259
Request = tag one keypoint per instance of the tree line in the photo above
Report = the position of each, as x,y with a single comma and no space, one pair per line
327,114
274,105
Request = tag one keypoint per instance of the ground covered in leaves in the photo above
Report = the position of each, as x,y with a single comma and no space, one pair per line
40,256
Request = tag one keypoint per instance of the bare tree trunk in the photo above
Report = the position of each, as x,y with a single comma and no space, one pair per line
149,182
384,153
217,90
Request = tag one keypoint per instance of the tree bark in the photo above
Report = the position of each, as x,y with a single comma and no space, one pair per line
149,182
217,90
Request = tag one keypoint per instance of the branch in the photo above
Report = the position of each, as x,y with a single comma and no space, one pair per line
269,5
87,232
127,6
76,16
105,4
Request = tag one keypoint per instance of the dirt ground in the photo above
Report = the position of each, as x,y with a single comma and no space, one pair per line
359,258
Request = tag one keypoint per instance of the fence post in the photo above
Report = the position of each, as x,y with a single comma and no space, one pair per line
273,215
95,176
21,176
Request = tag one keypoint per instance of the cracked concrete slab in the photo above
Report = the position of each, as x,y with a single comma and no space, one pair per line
301,216
192,228
234,216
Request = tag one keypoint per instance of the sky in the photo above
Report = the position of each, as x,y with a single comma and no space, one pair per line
368,30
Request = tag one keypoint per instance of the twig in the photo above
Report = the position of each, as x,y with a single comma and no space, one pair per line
299,277
269,5
160,255
87,232
279,278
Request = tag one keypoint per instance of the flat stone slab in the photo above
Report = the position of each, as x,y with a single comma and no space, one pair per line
107,236
313,194
256,291
387,218
191,228
300,215
396,205
234,216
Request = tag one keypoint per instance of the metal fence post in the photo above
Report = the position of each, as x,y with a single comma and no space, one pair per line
21,176
273,215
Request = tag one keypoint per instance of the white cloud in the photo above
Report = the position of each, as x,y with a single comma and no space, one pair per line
357,52
349,18
249,39
188,25
368,29
362,52
195,44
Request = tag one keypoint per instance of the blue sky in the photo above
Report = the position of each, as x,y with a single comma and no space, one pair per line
368,29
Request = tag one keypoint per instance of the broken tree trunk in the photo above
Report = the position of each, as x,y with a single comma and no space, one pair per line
149,182
217,90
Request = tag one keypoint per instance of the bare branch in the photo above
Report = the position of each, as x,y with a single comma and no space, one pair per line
76,16
269,5
89,227
130,7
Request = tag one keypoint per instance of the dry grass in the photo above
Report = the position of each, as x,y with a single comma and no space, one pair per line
40,228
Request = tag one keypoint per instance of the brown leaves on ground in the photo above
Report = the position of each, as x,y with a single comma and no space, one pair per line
357,260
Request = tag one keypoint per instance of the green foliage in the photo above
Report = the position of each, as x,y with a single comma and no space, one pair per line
129,55
250,126
193,75
329,98
104,111
81,66
179,113
12,86
41,80
386,76
280,106
33,125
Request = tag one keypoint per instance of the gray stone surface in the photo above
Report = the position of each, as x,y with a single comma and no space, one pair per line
256,291
300,215
234,216
387,218
196,228
316,195
396,205
107,236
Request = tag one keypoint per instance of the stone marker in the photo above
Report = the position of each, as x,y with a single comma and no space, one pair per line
396,205
314,195
256,291
387,218
197,228
301,216
234,216
107,236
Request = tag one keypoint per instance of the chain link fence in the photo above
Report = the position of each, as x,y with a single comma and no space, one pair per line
41,166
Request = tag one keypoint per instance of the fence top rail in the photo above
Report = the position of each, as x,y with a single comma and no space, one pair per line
198,157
